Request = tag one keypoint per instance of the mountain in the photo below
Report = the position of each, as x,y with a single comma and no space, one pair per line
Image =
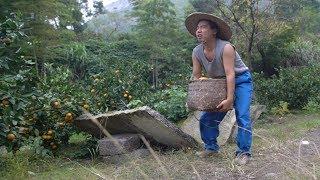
119,6
125,6
116,19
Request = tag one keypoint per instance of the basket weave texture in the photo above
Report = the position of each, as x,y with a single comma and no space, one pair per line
206,94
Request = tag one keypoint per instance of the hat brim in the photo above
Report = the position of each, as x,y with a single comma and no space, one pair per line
193,19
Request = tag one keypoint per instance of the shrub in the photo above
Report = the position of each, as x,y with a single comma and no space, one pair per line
274,51
293,85
312,106
280,109
303,52
170,103
81,145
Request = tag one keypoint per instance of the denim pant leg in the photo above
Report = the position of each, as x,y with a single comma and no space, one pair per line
243,95
209,129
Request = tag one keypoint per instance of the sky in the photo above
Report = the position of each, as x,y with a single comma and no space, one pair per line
105,2
90,5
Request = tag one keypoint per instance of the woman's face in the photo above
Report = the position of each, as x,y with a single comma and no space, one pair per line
204,31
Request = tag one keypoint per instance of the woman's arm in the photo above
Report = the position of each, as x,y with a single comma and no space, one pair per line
228,64
196,68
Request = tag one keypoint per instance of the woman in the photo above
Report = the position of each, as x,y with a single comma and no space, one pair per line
218,57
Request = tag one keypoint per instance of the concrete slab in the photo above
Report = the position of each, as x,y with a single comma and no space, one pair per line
143,120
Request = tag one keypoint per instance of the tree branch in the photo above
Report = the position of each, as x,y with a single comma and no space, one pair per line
233,18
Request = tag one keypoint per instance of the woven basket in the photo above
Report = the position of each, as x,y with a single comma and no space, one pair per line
206,94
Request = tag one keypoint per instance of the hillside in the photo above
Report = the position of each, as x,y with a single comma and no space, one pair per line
117,17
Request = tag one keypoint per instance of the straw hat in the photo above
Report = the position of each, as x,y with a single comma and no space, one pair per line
193,19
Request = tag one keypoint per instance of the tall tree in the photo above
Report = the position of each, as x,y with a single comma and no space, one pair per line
304,14
251,19
98,6
156,29
207,6
289,9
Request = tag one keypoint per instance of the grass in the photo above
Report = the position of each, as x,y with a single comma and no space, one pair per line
275,152
291,126
63,169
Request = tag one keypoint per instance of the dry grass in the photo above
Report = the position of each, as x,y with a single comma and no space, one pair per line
277,154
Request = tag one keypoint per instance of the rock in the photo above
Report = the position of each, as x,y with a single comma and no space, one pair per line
226,127
191,126
140,153
127,143
144,120
255,112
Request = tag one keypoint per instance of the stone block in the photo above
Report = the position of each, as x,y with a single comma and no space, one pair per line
126,143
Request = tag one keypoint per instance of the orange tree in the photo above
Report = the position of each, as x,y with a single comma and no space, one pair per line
17,80
33,111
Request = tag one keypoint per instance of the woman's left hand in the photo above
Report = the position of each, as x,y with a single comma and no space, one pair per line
225,105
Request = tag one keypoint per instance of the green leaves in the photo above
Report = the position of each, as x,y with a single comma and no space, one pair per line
170,103
295,86
9,25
